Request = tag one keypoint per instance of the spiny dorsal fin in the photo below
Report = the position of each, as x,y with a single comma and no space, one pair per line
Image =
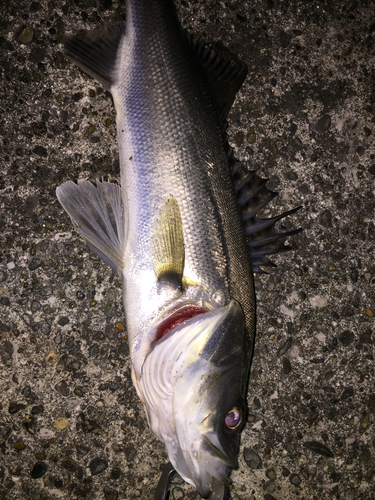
223,71
98,213
96,51
252,196
168,249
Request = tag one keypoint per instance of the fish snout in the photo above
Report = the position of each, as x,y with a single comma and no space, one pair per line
216,491
214,466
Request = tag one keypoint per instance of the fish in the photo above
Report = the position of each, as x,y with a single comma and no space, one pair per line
181,230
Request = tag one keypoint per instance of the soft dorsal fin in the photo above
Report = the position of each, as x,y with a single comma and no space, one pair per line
168,249
98,213
96,51
224,73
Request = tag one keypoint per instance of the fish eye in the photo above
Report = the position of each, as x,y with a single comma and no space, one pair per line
233,418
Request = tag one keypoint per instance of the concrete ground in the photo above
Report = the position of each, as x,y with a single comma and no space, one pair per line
71,425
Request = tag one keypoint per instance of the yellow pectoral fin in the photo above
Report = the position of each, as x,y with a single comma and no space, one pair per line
168,248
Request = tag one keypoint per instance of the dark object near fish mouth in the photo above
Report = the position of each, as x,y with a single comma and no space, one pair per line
162,489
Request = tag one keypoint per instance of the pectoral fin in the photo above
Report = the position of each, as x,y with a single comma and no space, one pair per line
98,213
168,249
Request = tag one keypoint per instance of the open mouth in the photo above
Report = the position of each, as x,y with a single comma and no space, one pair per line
177,318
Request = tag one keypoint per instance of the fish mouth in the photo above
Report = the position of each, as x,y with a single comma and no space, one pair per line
177,317
212,443
216,490
213,479
210,476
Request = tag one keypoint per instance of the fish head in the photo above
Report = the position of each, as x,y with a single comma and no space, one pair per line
193,386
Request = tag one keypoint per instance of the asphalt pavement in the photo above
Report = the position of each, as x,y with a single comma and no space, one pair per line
71,424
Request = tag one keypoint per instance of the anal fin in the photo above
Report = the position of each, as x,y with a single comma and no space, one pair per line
96,51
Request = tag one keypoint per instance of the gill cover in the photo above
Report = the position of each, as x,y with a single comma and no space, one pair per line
191,380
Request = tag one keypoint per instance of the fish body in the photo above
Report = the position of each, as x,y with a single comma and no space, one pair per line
175,233
171,147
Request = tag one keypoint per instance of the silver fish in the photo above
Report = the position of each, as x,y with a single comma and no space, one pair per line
181,231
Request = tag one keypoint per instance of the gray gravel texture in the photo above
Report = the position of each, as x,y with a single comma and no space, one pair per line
71,425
